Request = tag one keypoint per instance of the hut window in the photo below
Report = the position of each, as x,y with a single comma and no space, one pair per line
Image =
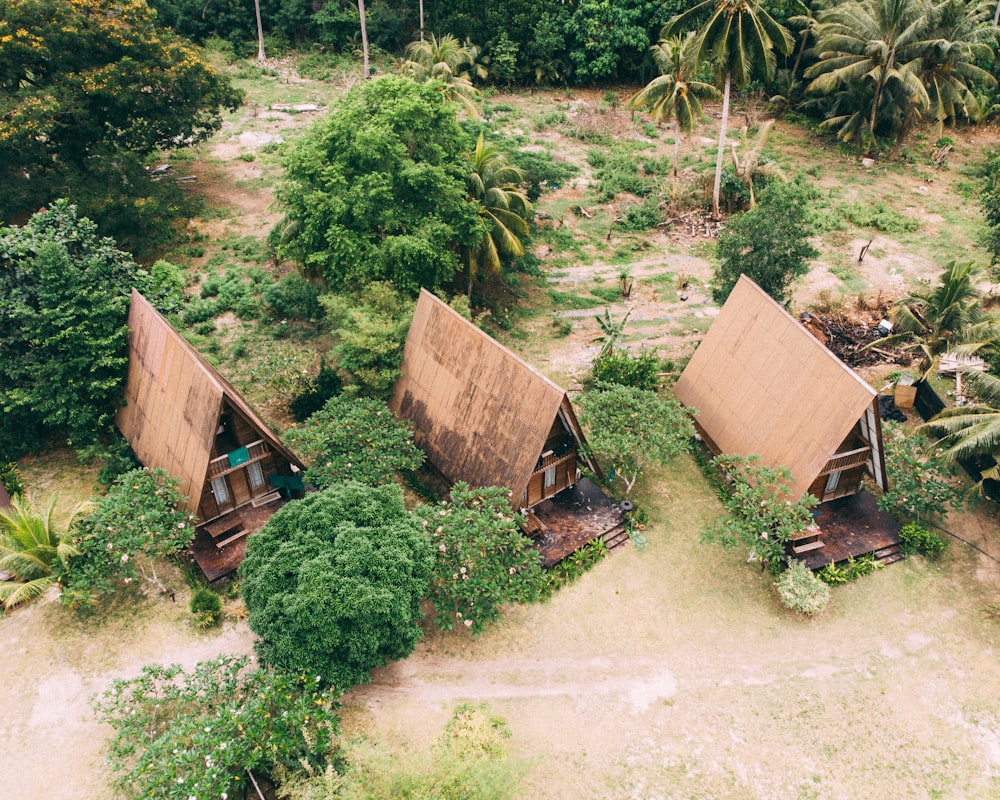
550,477
221,490
255,475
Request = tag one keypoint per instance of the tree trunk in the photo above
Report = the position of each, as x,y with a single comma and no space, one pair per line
996,16
365,70
798,57
421,20
717,188
260,32
677,144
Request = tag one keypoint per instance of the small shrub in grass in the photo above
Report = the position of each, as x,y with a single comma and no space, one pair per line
206,606
914,538
618,366
800,590
293,297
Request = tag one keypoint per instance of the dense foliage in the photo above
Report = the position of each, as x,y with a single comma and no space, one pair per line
87,85
377,191
333,583
203,734
762,514
914,538
615,365
354,438
629,429
800,590
769,243
140,519
921,481
483,559
64,296
989,200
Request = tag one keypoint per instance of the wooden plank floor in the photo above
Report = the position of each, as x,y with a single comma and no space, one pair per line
217,562
572,518
850,527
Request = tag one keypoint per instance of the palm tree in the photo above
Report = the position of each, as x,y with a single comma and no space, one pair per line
749,163
949,316
872,41
739,37
503,210
672,94
29,550
260,32
365,68
971,431
948,68
447,60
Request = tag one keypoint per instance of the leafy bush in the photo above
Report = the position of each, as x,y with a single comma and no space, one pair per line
483,560
855,568
921,482
641,216
325,385
880,217
800,590
293,297
198,734
914,538
206,606
541,170
618,172
618,366
355,438
10,478
574,566
140,519
333,583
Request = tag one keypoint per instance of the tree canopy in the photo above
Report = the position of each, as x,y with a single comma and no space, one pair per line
333,583
378,190
64,296
82,82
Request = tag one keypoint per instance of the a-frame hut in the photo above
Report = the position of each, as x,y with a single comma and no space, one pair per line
761,384
182,416
483,415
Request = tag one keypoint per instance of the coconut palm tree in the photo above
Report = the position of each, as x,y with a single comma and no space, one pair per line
971,431
738,38
672,94
960,36
365,67
445,59
29,550
873,41
503,210
260,32
949,316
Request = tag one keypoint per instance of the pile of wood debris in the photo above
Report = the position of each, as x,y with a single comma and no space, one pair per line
852,331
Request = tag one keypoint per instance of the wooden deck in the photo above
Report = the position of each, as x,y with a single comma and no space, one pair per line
574,517
850,527
217,562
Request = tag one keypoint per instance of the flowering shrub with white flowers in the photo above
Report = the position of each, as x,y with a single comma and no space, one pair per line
205,734
483,561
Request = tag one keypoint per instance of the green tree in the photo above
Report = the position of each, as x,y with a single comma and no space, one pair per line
874,42
333,583
763,516
921,481
64,296
354,438
378,190
503,210
137,522
673,94
989,201
769,243
371,331
738,38
82,83
31,551
483,559
204,734
446,60
630,429
606,36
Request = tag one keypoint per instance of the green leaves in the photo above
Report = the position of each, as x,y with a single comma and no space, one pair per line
921,482
483,561
333,583
197,734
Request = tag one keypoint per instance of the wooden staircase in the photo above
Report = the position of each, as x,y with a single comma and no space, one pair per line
616,537
887,555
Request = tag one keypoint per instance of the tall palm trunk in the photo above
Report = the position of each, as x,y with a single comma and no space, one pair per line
996,16
677,144
421,20
260,32
717,188
365,70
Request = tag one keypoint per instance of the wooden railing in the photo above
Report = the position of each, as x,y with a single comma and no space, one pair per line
553,461
847,460
220,466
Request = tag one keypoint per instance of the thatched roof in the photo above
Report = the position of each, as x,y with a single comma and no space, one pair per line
480,413
174,400
762,384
